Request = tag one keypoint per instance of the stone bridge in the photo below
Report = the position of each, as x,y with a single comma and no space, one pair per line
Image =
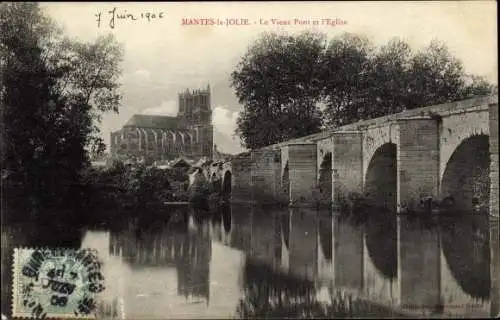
400,161
413,161
219,175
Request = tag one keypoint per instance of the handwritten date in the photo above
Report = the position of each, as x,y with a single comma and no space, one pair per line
113,16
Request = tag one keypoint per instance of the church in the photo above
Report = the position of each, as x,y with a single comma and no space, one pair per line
156,138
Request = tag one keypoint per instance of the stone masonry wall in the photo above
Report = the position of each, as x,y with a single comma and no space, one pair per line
302,166
347,164
418,162
241,184
266,171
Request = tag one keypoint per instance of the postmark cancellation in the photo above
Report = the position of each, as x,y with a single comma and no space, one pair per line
56,283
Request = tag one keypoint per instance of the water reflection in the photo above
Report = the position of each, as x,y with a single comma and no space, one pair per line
466,250
258,262
381,242
326,236
241,235
380,262
267,293
325,246
226,218
265,238
418,262
303,243
348,249
162,256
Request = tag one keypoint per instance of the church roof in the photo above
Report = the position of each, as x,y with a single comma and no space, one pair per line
152,121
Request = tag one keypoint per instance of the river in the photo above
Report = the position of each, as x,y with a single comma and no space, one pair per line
244,261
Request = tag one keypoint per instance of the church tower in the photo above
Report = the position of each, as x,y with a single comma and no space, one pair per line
195,113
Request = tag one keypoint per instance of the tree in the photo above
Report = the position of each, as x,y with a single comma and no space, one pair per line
53,92
25,90
435,76
365,82
346,78
389,74
278,83
477,86
281,80
88,73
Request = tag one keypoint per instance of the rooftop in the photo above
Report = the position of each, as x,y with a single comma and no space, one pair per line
152,121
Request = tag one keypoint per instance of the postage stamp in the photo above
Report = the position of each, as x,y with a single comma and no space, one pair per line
56,283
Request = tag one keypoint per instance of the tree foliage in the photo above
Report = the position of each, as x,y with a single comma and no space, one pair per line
283,80
278,82
346,64
54,90
120,186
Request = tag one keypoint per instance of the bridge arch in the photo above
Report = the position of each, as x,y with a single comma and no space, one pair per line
381,178
376,137
456,129
466,177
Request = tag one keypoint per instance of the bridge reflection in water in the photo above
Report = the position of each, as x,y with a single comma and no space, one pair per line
256,262
250,261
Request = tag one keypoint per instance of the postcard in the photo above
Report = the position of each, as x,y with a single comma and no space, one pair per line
221,160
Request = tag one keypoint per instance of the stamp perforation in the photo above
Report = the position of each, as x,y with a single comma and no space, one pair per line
55,282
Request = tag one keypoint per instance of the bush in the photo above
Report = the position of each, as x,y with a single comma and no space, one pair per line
123,186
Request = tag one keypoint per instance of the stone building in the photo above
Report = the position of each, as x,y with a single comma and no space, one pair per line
188,135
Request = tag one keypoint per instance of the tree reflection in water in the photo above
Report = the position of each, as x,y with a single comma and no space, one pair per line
268,294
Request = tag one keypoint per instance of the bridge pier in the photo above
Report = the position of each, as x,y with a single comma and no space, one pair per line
417,163
241,184
347,165
266,168
302,168
417,180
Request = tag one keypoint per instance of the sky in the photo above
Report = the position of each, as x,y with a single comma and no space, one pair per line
163,56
